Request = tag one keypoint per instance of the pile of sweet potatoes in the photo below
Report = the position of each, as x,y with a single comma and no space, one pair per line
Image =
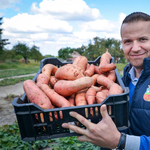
79,83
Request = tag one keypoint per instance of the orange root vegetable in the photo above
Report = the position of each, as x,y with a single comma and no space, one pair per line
114,88
97,89
103,80
49,70
112,75
71,99
105,58
56,99
105,90
95,78
42,79
80,99
89,71
90,95
68,72
96,70
100,97
67,88
36,95
81,62
106,68
53,80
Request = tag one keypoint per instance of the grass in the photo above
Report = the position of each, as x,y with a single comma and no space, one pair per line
23,69
10,69
13,81
17,72
15,65
120,66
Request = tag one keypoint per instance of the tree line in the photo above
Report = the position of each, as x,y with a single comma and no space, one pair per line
95,49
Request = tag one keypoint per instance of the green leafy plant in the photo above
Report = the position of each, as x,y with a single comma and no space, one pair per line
72,143
10,139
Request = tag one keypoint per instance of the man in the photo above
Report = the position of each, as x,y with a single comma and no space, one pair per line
135,34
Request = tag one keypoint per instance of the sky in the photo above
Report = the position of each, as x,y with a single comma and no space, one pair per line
55,24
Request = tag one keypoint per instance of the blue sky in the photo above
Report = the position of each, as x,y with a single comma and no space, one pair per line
55,24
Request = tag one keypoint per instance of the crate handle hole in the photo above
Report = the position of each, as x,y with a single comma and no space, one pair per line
86,112
96,111
109,110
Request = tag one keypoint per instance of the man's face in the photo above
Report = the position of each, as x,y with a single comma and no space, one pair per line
136,42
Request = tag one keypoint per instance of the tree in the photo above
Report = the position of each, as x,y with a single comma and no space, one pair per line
23,50
65,53
2,41
35,54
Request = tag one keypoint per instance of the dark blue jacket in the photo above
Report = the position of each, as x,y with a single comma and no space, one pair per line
139,111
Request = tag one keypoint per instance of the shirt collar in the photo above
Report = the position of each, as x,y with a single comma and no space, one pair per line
132,75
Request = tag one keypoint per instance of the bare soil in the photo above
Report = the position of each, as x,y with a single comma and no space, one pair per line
7,94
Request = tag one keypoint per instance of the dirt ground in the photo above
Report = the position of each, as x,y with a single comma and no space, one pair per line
7,94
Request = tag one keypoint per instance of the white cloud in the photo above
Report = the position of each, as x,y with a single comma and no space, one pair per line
7,3
58,24
121,17
99,25
35,23
66,10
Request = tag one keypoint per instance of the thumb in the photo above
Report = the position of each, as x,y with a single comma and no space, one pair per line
103,111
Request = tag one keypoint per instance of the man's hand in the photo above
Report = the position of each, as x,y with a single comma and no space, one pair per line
103,134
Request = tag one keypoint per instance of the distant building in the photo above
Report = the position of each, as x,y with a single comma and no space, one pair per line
73,56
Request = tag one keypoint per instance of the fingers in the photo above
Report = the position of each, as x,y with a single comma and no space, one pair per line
83,138
103,111
77,129
74,128
81,119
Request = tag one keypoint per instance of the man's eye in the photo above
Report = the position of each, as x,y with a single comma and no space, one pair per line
143,39
127,42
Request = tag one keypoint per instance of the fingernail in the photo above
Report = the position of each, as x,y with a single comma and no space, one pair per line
63,125
71,113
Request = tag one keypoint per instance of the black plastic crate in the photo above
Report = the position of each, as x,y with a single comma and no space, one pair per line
27,112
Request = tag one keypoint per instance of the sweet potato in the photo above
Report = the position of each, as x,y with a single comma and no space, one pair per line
67,88
49,70
90,95
105,58
71,99
42,79
89,71
81,62
114,88
100,97
53,80
103,80
95,78
68,72
105,65
106,68
36,95
96,70
56,99
112,75
97,89
80,99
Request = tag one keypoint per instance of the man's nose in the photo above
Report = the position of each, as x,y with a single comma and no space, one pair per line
136,46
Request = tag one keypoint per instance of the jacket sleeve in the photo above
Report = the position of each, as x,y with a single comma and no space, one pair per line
144,142
132,142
